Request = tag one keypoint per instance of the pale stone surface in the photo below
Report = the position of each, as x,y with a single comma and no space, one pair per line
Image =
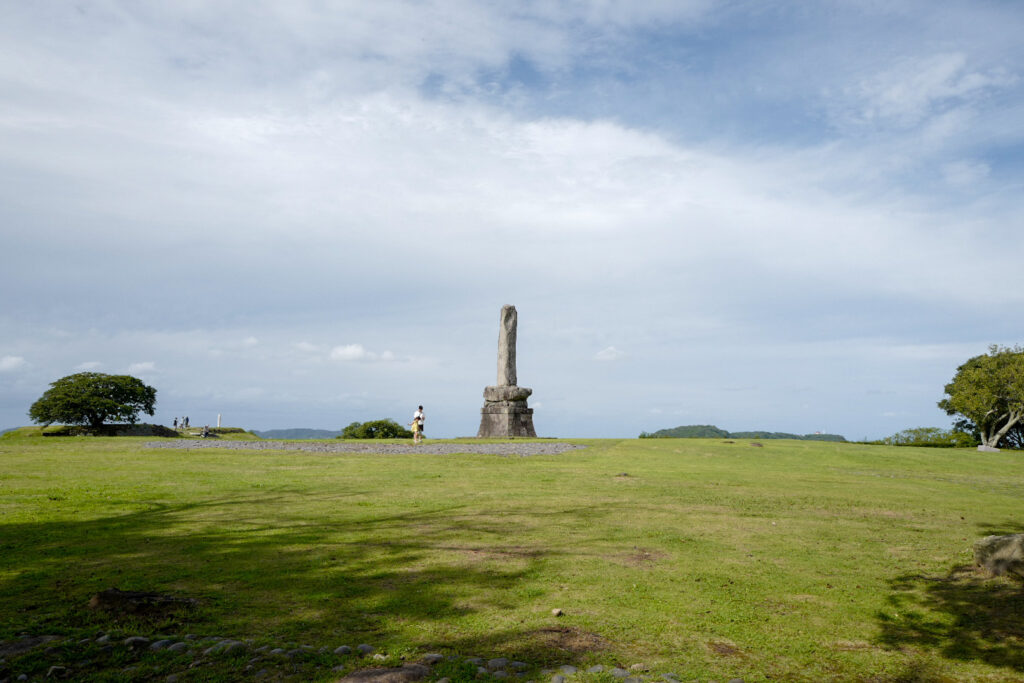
507,347
506,393
505,422
505,412
1000,555
987,449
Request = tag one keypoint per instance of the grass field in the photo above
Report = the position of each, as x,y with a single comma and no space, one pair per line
792,561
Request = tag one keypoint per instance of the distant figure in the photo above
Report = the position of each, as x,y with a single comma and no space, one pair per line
175,423
417,425
206,431
186,422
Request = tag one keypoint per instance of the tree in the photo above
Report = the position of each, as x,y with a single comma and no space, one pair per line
378,429
92,398
988,391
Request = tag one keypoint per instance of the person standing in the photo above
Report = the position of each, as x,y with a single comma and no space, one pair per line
417,429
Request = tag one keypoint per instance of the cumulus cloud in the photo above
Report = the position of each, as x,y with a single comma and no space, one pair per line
359,191
608,354
356,352
12,363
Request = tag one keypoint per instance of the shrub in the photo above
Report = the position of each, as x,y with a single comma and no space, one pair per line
378,429
931,437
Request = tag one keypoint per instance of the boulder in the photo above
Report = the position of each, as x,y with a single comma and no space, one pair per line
1000,555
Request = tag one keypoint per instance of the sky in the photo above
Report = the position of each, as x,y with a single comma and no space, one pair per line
756,214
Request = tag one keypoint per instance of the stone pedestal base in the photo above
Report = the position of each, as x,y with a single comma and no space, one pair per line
501,417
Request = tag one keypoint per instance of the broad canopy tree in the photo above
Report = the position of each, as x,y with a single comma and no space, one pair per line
988,391
93,398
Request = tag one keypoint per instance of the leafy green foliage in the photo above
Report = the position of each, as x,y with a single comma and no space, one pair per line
988,391
1014,438
688,432
931,437
712,432
93,398
378,429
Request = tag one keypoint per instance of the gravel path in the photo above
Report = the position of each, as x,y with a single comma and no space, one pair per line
523,448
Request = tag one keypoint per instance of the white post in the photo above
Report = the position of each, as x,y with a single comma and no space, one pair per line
218,420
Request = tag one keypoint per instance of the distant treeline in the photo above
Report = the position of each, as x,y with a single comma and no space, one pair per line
713,432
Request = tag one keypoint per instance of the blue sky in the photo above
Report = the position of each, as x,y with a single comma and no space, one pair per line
761,215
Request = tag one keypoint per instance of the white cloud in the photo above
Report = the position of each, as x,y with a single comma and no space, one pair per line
88,365
608,354
917,88
12,363
385,151
141,368
356,352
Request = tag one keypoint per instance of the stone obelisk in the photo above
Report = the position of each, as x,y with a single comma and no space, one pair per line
505,412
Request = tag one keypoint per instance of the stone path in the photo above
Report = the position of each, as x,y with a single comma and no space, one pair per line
522,449
135,656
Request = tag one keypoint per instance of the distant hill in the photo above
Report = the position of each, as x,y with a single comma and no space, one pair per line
712,432
10,429
297,433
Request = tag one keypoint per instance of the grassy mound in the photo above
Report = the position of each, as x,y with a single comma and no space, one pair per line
148,430
82,430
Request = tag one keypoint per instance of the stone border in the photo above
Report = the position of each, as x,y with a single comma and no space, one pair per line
370,665
505,448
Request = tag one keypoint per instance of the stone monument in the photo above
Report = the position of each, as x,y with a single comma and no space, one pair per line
505,412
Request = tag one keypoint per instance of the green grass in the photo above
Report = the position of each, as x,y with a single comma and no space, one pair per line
795,561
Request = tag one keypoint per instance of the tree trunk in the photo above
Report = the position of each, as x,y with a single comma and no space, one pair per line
1014,418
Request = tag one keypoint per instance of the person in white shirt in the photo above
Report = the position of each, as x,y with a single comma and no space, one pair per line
417,425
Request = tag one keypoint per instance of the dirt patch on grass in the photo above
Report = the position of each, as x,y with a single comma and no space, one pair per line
401,674
569,639
505,552
724,649
640,557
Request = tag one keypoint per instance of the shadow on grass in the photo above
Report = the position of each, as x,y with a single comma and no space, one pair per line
1003,529
347,578
963,616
